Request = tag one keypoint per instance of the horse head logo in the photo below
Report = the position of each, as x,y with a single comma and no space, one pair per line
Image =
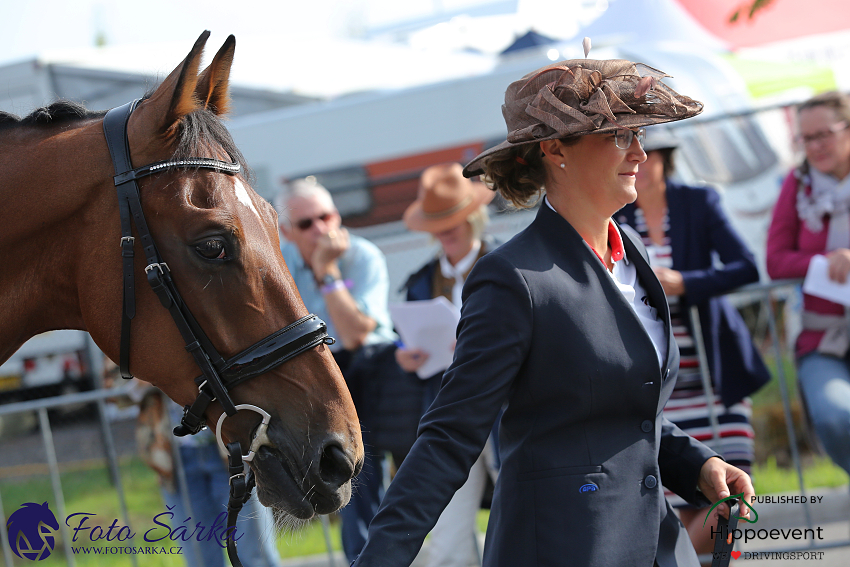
31,530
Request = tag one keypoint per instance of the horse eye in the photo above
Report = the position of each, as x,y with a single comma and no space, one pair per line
212,249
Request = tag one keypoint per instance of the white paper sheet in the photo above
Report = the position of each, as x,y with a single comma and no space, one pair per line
817,282
429,325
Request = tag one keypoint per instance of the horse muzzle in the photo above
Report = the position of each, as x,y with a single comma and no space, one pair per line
305,483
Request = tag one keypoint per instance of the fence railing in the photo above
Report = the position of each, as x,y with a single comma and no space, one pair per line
40,407
762,291
99,397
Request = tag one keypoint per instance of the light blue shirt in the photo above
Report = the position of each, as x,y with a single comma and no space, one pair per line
365,267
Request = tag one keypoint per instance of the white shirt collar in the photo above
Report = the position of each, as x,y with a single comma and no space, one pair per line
458,271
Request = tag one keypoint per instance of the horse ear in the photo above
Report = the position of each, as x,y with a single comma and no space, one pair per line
175,97
212,89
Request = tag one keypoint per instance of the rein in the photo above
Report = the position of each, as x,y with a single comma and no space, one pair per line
725,542
218,375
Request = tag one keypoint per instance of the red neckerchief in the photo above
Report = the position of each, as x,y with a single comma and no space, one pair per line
615,242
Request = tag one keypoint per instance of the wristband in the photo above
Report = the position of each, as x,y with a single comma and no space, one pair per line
335,285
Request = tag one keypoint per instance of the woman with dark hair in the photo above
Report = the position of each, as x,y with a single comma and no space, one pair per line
567,326
685,230
812,217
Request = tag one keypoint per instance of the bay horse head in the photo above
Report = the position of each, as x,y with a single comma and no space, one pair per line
214,242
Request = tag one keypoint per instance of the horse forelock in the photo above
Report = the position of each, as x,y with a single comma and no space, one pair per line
200,129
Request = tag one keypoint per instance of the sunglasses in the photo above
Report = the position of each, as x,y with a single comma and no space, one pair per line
305,224
624,137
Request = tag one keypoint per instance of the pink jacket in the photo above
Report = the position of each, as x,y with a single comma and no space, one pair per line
790,246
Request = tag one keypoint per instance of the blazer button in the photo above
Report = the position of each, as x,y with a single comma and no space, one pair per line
650,482
646,426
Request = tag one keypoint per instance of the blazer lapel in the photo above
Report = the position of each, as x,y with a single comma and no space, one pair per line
557,229
636,253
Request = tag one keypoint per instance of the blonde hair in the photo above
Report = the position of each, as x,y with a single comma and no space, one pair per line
478,220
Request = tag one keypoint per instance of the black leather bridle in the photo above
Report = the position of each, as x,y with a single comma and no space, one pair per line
218,375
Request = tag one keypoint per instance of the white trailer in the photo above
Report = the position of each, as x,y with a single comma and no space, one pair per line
369,149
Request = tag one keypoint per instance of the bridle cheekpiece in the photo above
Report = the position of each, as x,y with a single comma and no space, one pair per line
218,375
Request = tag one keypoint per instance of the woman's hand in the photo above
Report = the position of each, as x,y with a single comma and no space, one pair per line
718,479
671,280
411,359
839,265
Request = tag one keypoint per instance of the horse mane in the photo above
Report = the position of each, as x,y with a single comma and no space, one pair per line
59,112
196,131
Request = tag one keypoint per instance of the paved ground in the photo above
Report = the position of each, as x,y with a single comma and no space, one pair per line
77,441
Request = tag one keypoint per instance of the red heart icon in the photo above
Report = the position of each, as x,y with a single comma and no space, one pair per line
736,554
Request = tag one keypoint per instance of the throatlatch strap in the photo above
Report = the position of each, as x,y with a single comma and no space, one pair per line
725,542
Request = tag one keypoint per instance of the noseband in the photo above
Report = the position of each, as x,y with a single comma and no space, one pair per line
218,375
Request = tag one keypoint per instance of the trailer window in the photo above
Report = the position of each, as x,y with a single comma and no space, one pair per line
726,151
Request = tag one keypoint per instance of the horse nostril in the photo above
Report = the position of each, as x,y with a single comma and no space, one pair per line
335,467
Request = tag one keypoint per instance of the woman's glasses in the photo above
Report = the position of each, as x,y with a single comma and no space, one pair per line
823,135
623,137
305,224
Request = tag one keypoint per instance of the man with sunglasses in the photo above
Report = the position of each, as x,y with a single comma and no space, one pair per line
343,279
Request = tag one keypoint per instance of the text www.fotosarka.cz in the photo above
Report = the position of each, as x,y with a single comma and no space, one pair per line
128,550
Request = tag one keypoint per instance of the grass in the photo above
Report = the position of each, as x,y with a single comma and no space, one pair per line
91,491
771,393
769,478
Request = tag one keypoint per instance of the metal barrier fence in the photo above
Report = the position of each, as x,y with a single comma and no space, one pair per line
762,292
99,397
41,407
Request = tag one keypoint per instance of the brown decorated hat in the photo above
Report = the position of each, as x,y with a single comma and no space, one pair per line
586,96
446,199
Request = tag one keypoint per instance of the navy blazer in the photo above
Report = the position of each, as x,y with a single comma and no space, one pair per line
583,441
699,228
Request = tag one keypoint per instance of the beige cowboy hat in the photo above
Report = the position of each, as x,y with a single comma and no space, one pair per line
446,199
585,96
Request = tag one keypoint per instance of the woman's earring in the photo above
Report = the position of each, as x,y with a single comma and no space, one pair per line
563,166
